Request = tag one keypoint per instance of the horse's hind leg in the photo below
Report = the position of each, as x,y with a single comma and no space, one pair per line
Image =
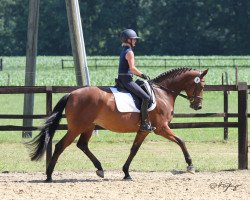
83,145
59,148
169,134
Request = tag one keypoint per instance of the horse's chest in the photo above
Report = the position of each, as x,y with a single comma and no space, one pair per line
171,115
165,114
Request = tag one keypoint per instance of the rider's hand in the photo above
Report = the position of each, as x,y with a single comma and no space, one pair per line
144,76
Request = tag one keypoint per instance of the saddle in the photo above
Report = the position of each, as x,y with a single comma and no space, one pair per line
123,97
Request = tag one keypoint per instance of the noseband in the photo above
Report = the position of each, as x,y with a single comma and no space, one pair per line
197,80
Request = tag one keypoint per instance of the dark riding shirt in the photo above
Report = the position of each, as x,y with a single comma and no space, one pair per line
123,64
125,76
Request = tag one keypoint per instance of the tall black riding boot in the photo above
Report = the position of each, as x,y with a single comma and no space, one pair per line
145,124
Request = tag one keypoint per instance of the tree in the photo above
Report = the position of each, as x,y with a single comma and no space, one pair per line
13,27
103,21
53,31
167,27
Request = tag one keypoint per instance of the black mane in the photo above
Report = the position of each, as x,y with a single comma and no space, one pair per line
171,74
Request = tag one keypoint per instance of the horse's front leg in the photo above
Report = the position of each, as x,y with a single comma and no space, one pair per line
136,145
166,132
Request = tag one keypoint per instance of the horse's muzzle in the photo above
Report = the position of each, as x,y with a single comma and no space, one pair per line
196,106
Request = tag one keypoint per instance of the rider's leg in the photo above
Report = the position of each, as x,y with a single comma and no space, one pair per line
145,124
138,91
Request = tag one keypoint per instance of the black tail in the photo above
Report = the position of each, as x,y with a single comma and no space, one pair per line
39,143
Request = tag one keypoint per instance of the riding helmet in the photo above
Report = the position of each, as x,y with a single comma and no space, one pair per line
128,34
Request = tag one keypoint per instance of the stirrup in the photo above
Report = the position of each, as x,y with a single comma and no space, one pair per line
145,126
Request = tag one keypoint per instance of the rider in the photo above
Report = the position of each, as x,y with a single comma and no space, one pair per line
125,75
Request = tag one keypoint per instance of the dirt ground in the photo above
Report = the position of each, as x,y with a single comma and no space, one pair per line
145,185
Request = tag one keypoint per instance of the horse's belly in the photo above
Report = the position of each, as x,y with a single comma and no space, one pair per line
119,122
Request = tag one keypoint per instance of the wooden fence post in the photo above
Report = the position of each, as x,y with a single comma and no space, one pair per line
62,64
243,126
199,60
30,68
77,42
48,112
96,63
1,64
236,75
225,109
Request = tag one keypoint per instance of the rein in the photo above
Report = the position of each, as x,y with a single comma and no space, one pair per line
191,99
172,91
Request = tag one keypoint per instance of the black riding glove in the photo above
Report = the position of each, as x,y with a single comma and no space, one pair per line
144,76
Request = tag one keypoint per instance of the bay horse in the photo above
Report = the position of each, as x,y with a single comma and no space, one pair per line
90,106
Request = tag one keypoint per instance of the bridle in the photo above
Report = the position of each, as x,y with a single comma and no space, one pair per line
197,80
192,98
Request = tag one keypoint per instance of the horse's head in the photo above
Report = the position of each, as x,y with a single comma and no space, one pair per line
194,89
183,79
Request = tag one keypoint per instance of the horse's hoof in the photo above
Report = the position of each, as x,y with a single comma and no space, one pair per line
48,180
191,169
100,173
127,178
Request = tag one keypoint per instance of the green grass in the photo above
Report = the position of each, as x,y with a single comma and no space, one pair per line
207,147
112,149
49,70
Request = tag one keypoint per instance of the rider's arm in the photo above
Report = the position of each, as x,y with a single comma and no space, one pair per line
131,62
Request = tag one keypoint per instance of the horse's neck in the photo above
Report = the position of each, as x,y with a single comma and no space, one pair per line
168,93
165,100
175,85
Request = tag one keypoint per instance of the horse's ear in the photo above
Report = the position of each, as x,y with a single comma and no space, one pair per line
204,73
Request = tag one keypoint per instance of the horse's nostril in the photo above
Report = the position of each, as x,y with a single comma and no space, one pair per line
196,107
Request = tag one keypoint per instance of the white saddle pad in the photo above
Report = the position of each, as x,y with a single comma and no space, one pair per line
125,103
